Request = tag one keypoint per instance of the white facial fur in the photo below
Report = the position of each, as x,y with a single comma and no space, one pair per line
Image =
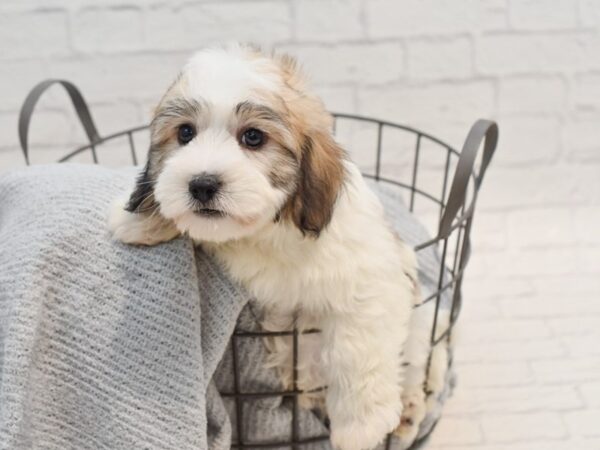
221,80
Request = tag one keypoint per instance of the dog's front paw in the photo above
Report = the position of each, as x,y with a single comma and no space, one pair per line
413,413
367,432
138,228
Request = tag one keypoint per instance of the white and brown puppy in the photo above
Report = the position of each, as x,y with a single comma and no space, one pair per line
242,160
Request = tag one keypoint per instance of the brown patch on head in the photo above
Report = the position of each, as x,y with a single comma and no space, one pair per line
321,174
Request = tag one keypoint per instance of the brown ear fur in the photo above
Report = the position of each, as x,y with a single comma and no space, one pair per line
319,184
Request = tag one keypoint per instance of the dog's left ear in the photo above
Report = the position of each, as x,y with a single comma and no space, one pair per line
142,198
319,184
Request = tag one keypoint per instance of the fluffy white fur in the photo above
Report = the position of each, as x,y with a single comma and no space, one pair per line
355,281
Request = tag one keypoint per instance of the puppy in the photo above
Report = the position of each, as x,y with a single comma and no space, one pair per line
242,160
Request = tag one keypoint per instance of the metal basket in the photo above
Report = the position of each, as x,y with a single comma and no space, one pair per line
454,204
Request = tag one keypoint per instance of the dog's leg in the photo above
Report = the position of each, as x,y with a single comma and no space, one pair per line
139,228
363,370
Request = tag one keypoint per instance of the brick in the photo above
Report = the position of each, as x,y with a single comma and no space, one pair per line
509,351
440,59
454,431
566,371
113,77
328,21
510,188
540,226
476,375
164,30
583,346
550,306
497,53
589,259
514,399
582,137
583,423
90,25
502,330
591,393
264,22
587,221
389,18
434,107
523,427
34,34
528,140
578,325
543,14
18,78
533,94
526,262
586,91
357,63
337,98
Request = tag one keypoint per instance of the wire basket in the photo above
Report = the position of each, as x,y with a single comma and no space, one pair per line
452,207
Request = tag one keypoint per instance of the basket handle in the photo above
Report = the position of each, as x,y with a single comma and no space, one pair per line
78,101
484,131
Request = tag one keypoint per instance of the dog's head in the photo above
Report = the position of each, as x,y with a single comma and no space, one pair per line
237,142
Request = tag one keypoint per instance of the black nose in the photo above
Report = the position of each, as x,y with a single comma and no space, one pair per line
204,187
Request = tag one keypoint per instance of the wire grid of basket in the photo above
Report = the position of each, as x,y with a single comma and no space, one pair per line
455,204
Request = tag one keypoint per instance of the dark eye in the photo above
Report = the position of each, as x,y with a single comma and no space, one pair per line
253,138
185,133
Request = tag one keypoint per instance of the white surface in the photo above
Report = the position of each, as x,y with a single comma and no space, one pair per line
529,363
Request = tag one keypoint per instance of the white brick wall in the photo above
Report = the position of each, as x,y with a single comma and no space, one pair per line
528,364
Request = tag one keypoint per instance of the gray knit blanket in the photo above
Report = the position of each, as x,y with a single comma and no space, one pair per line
110,346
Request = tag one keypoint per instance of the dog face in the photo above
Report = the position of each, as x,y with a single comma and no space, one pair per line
236,143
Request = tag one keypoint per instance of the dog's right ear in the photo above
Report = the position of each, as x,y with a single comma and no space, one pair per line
142,197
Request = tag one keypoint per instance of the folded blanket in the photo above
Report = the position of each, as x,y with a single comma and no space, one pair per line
104,345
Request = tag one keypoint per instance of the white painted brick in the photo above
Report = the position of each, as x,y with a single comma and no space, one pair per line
519,427
508,351
328,20
550,306
490,231
358,63
475,375
164,30
37,34
571,284
18,78
510,188
102,78
501,54
567,371
454,431
432,105
586,91
532,94
582,137
583,346
589,260
584,423
389,18
537,227
528,140
337,98
543,14
591,393
440,59
587,224
529,262
89,28
589,11
264,22
580,325
502,330
516,399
